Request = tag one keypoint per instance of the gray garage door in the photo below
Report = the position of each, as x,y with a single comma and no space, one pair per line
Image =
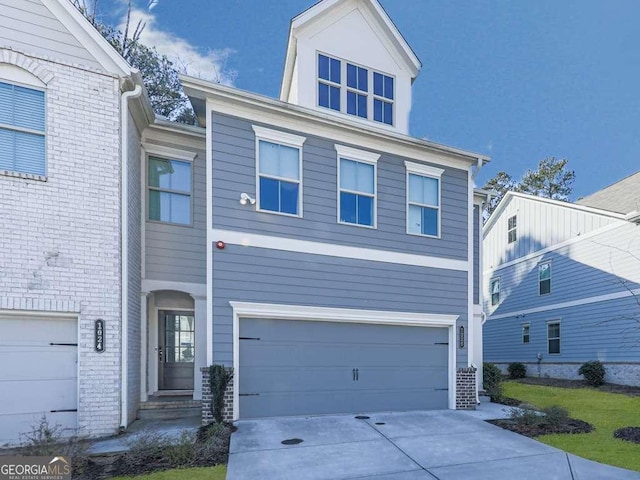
305,367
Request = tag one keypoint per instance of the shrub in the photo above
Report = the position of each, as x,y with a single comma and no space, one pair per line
555,415
492,380
525,415
593,372
517,370
219,378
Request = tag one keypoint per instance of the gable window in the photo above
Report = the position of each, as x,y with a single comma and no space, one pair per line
169,184
553,338
357,88
22,129
279,171
544,278
382,98
525,333
512,224
329,80
356,186
423,199
495,291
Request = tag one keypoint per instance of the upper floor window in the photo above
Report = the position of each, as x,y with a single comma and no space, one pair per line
423,199
495,291
22,129
544,278
357,186
512,226
526,333
355,90
553,338
329,81
279,171
383,98
169,183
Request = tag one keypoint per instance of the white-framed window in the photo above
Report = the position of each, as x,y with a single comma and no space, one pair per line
544,278
357,186
170,190
22,129
278,171
495,291
423,199
526,333
356,90
512,229
553,338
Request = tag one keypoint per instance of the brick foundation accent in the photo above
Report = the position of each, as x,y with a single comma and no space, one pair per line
207,400
466,389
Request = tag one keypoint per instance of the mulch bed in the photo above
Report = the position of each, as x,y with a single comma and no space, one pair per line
559,382
570,425
508,401
629,434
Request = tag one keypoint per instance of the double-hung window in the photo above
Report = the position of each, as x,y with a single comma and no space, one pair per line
329,81
544,278
357,89
512,229
553,338
279,171
423,199
169,183
357,186
22,130
495,291
383,98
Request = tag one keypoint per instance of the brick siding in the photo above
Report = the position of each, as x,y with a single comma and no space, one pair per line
466,389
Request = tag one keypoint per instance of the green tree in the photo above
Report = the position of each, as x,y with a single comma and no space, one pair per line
500,185
552,180
159,74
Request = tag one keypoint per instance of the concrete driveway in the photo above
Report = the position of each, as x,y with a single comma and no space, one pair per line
430,445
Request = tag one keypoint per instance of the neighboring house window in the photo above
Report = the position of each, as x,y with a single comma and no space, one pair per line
357,89
512,226
495,291
22,129
423,199
383,98
279,171
525,333
329,80
356,186
544,278
169,190
553,337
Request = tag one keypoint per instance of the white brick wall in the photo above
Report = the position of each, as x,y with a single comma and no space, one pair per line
60,242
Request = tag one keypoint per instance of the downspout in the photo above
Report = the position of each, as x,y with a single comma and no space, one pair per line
124,250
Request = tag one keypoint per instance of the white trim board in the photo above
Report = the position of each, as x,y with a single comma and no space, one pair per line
573,303
333,250
343,315
193,289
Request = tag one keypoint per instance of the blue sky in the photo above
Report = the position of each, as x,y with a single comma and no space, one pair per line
516,80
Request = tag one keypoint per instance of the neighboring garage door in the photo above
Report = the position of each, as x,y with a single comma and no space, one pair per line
38,374
307,367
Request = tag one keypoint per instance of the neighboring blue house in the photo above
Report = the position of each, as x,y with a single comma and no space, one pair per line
340,250
562,283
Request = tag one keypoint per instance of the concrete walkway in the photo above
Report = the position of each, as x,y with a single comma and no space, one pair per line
442,444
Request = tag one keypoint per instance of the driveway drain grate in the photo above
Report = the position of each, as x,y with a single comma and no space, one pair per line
292,441
380,423
363,417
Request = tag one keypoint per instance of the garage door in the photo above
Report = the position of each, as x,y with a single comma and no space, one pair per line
38,365
307,367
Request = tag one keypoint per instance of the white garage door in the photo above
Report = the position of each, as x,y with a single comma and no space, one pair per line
38,374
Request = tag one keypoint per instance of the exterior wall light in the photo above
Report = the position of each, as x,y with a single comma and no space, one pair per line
245,198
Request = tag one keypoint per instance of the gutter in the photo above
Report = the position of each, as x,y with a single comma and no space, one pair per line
124,250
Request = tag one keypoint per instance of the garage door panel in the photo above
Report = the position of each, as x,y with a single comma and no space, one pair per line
38,330
16,425
47,394
304,367
21,364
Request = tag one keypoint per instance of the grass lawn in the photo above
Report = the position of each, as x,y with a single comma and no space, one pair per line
218,472
605,411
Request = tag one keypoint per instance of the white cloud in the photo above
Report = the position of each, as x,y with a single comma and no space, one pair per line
189,59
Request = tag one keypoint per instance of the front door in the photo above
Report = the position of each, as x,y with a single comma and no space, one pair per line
176,350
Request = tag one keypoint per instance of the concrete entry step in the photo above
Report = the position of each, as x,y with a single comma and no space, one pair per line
169,407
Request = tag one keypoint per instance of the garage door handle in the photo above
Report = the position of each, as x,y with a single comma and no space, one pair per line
64,344
64,411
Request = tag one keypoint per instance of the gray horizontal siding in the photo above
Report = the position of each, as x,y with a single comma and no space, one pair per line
269,276
234,172
175,252
29,26
606,331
